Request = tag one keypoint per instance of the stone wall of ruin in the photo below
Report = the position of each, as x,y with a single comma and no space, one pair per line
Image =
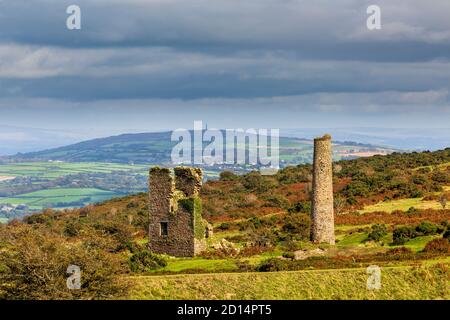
322,211
189,180
172,200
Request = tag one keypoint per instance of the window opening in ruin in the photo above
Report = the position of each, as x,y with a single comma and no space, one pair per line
163,229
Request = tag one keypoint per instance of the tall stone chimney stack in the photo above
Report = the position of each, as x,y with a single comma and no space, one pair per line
322,212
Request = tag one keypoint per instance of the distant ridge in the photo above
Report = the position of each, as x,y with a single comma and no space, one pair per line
156,147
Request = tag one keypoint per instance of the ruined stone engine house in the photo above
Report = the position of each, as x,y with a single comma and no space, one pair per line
175,212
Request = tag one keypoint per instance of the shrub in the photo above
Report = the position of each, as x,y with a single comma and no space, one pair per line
85,211
253,250
377,232
120,232
244,266
35,267
276,264
351,200
255,222
252,180
399,251
446,234
255,181
221,253
39,218
272,264
356,189
263,237
419,179
426,228
440,245
224,226
72,228
132,205
277,201
416,193
403,234
440,176
301,206
252,224
143,260
291,245
296,174
297,225
289,255
228,176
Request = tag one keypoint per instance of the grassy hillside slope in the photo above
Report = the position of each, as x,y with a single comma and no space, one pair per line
396,283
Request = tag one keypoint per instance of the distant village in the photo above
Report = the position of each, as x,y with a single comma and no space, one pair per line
8,210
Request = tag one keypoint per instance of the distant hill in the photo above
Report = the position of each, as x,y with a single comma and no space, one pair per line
125,148
155,148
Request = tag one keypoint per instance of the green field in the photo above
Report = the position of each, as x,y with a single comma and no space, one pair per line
210,265
351,240
61,194
426,282
53,170
38,199
417,244
402,204
64,195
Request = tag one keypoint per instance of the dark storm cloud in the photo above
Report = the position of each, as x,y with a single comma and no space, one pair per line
412,30
254,54
139,73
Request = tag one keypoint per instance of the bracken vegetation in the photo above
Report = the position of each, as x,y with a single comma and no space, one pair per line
261,224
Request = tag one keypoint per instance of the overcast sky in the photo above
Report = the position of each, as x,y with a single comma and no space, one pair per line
160,64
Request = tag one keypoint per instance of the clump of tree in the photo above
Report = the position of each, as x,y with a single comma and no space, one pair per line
297,226
403,234
228,175
377,232
300,173
254,181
